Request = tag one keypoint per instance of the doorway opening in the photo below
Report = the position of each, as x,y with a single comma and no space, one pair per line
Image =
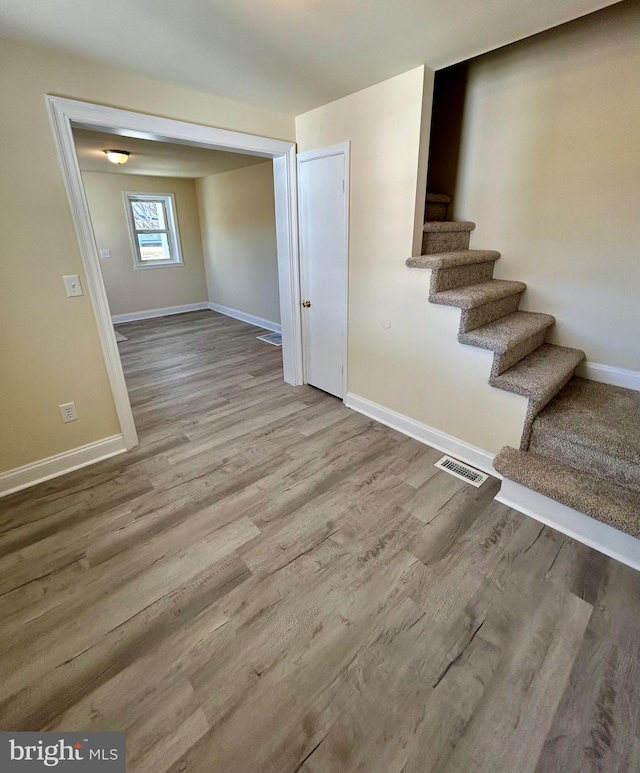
69,115
449,95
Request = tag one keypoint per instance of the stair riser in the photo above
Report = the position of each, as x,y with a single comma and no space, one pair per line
502,362
436,212
534,408
586,458
600,498
459,276
490,312
451,241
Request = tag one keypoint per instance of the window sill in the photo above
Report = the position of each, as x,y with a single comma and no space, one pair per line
147,266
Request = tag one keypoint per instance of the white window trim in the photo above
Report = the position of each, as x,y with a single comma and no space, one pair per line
173,233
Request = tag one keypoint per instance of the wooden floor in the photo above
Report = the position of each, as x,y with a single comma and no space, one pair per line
272,583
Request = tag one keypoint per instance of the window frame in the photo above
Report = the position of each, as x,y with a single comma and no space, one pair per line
171,222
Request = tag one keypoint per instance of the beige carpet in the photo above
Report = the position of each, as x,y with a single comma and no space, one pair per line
585,452
581,448
593,427
600,498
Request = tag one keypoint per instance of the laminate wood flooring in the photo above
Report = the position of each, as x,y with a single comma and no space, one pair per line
271,583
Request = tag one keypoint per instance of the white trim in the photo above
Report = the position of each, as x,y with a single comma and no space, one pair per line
153,127
64,112
60,117
600,536
244,317
476,457
285,186
341,149
607,374
60,464
133,316
332,150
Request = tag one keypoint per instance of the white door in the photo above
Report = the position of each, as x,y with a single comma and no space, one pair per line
323,207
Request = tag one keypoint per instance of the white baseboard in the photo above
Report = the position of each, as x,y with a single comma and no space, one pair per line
244,317
134,316
600,536
616,544
476,457
60,464
606,374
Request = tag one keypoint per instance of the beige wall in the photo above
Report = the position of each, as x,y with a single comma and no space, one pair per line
416,366
50,349
129,289
550,172
237,214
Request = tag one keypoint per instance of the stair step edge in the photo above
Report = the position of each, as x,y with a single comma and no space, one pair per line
604,462
448,226
592,424
603,414
501,335
438,260
618,450
541,374
472,296
439,198
594,496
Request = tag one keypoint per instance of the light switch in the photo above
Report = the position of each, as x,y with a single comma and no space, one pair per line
105,253
72,285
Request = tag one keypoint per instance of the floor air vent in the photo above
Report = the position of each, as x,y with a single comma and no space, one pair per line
462,471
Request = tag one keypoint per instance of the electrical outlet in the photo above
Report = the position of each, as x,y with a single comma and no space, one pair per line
68,411
105,253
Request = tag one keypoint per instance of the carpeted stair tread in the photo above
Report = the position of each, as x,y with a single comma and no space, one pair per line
508,331
439,198
540,374
580,441
602,499
448,226
451,259
471,296
594,427
437,207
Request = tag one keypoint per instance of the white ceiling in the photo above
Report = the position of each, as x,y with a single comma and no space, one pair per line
289,55
157,159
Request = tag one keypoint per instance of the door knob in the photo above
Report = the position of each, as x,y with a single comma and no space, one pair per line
306,304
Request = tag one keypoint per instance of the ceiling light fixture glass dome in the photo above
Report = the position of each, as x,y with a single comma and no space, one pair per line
117,156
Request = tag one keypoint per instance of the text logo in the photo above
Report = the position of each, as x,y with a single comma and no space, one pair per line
66,752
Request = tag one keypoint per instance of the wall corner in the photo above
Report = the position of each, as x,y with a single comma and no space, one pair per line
423,158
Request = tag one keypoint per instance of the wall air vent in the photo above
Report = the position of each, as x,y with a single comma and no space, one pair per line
462,471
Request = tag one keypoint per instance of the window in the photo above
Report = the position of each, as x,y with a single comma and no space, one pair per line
154,231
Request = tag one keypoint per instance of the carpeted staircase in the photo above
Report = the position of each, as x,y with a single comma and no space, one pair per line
581,439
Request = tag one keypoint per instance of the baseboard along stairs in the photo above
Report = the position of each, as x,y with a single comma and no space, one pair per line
581,439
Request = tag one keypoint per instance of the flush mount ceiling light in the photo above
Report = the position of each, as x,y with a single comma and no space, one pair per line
117,156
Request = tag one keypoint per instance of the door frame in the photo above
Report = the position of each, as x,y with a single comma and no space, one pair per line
67,113
344,149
